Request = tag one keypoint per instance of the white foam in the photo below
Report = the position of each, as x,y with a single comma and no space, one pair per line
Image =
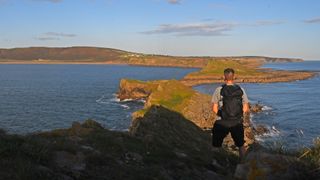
142,100
104,100
273,133
127,100
125,106
115,99
266,108
275,130
300,132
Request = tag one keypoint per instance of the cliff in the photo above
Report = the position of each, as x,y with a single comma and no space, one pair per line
175,96
162,144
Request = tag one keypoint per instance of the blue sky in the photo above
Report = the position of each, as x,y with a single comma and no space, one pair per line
280,28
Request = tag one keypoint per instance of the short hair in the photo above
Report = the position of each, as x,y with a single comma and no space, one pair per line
228,74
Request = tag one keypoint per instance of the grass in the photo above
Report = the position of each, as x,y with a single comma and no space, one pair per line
172,95
216,67
312,155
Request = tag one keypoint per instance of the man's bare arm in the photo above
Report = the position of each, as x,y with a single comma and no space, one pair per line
246,108
215,108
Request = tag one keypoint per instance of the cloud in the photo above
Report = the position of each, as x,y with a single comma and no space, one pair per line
267,23
312,21
194,29
206,28
174,1
57,34
49,36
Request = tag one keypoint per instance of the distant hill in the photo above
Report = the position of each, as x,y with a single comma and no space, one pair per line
114,56
62,54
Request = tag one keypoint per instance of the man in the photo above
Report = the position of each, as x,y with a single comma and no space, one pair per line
230,102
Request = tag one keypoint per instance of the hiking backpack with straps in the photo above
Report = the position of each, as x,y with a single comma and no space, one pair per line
231,111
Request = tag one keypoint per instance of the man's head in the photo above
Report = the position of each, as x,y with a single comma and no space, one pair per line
228,74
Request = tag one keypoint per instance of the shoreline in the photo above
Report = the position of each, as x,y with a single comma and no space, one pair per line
269,75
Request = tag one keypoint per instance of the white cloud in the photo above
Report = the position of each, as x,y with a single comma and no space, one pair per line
49,36
193,29
59,34
313,20
206,28
267,23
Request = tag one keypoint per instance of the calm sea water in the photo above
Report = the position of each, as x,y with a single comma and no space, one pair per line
291,110
45,97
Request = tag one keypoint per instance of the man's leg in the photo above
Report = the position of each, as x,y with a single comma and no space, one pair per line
242,152
237,133
219,132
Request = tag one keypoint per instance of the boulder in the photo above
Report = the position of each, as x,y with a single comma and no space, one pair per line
270,166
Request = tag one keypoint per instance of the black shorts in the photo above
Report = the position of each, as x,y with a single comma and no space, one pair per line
219,132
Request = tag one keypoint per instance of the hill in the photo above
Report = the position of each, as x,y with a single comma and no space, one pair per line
113,56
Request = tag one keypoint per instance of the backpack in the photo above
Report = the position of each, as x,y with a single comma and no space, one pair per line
231,111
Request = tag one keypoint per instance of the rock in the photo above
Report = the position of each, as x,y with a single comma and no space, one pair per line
68,161
134,89
209,175
260,130
194,106
262,165
133,157
256,108
174,95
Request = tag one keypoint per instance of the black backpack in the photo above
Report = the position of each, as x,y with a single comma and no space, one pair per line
231,111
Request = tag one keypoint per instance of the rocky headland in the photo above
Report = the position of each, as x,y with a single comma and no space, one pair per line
260,163
176,96
247,71
161,144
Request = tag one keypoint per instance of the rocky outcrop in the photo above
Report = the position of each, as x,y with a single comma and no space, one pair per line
271,166
172,95
247,71
269,77
162,144
194,106
135,89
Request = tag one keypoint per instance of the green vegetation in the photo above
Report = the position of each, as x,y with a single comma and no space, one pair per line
216,67
172,95
312,156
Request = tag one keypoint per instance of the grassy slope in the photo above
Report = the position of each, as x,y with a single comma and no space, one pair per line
216,68
170,94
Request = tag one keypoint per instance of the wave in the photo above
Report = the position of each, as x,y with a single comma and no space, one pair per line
125,106
273,133
266,108
104,100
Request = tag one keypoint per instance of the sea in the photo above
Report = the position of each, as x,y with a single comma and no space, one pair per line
291,110
35,98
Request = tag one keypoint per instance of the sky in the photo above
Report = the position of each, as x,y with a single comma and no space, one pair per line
277,28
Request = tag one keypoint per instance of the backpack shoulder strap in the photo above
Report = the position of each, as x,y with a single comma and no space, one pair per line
222,87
